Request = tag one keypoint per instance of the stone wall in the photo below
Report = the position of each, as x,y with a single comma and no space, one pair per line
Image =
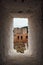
35,37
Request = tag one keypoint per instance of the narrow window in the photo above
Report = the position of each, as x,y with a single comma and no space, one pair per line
18,37
26,37
21,37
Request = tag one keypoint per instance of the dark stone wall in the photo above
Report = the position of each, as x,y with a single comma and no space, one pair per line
36,30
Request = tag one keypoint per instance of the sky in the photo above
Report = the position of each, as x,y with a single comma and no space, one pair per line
20,22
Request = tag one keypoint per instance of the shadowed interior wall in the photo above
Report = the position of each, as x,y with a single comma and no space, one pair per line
35,31
6,32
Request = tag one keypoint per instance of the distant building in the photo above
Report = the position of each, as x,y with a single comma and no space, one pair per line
20,37
20,30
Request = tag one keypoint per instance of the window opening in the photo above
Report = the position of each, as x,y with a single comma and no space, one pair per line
18,37
21,37
26,37
20,28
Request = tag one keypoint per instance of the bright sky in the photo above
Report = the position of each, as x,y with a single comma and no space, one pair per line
20,22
